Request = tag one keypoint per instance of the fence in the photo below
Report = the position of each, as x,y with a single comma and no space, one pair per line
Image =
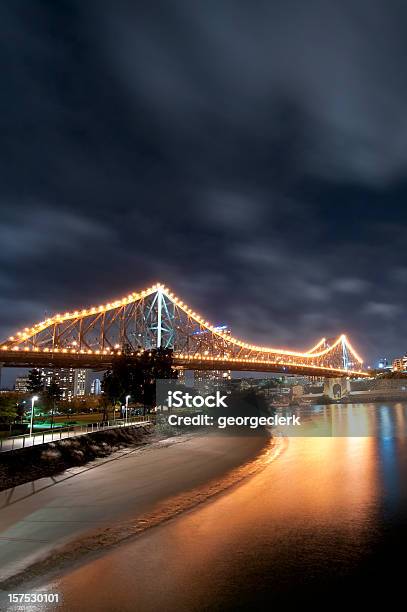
59,433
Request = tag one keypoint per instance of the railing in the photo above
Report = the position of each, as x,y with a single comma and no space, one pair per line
59,433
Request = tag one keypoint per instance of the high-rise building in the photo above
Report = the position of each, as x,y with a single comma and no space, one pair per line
21,384
79,382
71,381
181,377
96,387
400,364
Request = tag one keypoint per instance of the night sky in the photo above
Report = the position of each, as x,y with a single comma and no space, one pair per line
250,155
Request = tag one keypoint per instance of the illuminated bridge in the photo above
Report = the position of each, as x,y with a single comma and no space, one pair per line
89,338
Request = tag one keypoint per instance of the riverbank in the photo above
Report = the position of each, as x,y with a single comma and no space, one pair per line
101,507
47,460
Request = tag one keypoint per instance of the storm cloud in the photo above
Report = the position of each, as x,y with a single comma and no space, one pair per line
250,156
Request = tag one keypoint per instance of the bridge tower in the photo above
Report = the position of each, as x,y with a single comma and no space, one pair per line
346,358
155,323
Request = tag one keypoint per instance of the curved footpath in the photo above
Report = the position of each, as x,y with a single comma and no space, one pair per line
40,517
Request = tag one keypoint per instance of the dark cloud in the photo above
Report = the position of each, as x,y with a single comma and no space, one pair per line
250,156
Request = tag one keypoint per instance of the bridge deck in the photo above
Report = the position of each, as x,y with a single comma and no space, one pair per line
38,359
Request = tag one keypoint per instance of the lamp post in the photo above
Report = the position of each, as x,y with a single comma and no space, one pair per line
33,400
127,406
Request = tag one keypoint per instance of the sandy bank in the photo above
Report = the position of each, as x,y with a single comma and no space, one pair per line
91,510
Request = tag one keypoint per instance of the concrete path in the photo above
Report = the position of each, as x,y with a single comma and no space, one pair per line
16,442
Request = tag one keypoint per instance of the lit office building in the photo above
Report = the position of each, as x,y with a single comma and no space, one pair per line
71,381
21,384
96,387
400,364
79,382
181,376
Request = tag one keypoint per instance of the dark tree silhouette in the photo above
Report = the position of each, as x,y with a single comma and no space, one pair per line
52,395
35,381
135,375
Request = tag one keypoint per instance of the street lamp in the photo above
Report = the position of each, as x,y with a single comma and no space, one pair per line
33,400
127,406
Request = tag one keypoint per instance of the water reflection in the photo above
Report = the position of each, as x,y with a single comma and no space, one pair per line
323,518
348,420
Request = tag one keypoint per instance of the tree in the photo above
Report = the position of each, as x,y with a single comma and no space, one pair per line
116,380
271,383
52,395
135,375
155,364
35,381
8,407
243,403
21,406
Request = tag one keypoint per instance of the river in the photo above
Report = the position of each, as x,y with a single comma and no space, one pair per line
323,520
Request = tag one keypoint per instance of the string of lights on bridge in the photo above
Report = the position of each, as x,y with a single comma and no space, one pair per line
29,332
197,357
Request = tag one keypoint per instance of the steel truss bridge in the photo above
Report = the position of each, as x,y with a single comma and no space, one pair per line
91,337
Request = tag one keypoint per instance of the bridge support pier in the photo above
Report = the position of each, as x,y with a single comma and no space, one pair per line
336,388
